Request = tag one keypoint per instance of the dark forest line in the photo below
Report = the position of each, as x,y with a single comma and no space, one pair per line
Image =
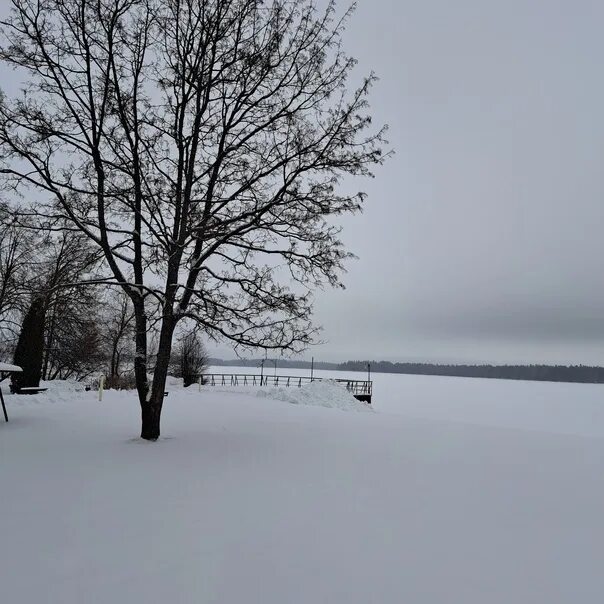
541,373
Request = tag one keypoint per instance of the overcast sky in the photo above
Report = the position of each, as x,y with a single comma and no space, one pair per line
482,239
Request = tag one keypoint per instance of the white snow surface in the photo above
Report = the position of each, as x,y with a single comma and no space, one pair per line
328,393
453,490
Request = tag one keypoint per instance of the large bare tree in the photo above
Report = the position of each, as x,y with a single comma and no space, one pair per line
200,144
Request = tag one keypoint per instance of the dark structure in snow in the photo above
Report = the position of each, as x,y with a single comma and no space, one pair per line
30,347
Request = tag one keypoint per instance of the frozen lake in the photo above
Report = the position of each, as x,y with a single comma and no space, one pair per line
562,408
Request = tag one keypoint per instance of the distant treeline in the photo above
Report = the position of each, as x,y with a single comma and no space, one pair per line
541,373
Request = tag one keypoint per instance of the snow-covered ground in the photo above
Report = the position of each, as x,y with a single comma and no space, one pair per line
453,490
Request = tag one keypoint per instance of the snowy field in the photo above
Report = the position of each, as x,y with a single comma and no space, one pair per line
452,491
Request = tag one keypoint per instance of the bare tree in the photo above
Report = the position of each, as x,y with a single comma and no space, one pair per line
200,145
118,331
69,309
189,359
77,350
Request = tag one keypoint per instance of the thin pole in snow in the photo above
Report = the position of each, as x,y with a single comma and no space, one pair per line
3,406
101,386
312,368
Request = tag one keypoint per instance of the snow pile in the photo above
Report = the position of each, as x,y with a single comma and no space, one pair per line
57,391
171,382
65,387
326,393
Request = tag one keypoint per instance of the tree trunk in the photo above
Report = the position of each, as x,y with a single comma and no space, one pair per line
113,368
151,408
140,355
150,416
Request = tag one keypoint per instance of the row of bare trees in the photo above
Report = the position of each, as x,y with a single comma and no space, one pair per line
199,147
43,312
73,331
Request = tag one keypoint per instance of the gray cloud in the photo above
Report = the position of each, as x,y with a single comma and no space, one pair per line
483,236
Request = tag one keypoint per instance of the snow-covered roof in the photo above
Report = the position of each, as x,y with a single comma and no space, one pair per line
7,367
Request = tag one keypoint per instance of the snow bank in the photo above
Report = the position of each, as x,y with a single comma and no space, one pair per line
171,381
57,391
326,393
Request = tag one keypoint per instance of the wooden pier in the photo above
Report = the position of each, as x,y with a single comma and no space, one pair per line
362,390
